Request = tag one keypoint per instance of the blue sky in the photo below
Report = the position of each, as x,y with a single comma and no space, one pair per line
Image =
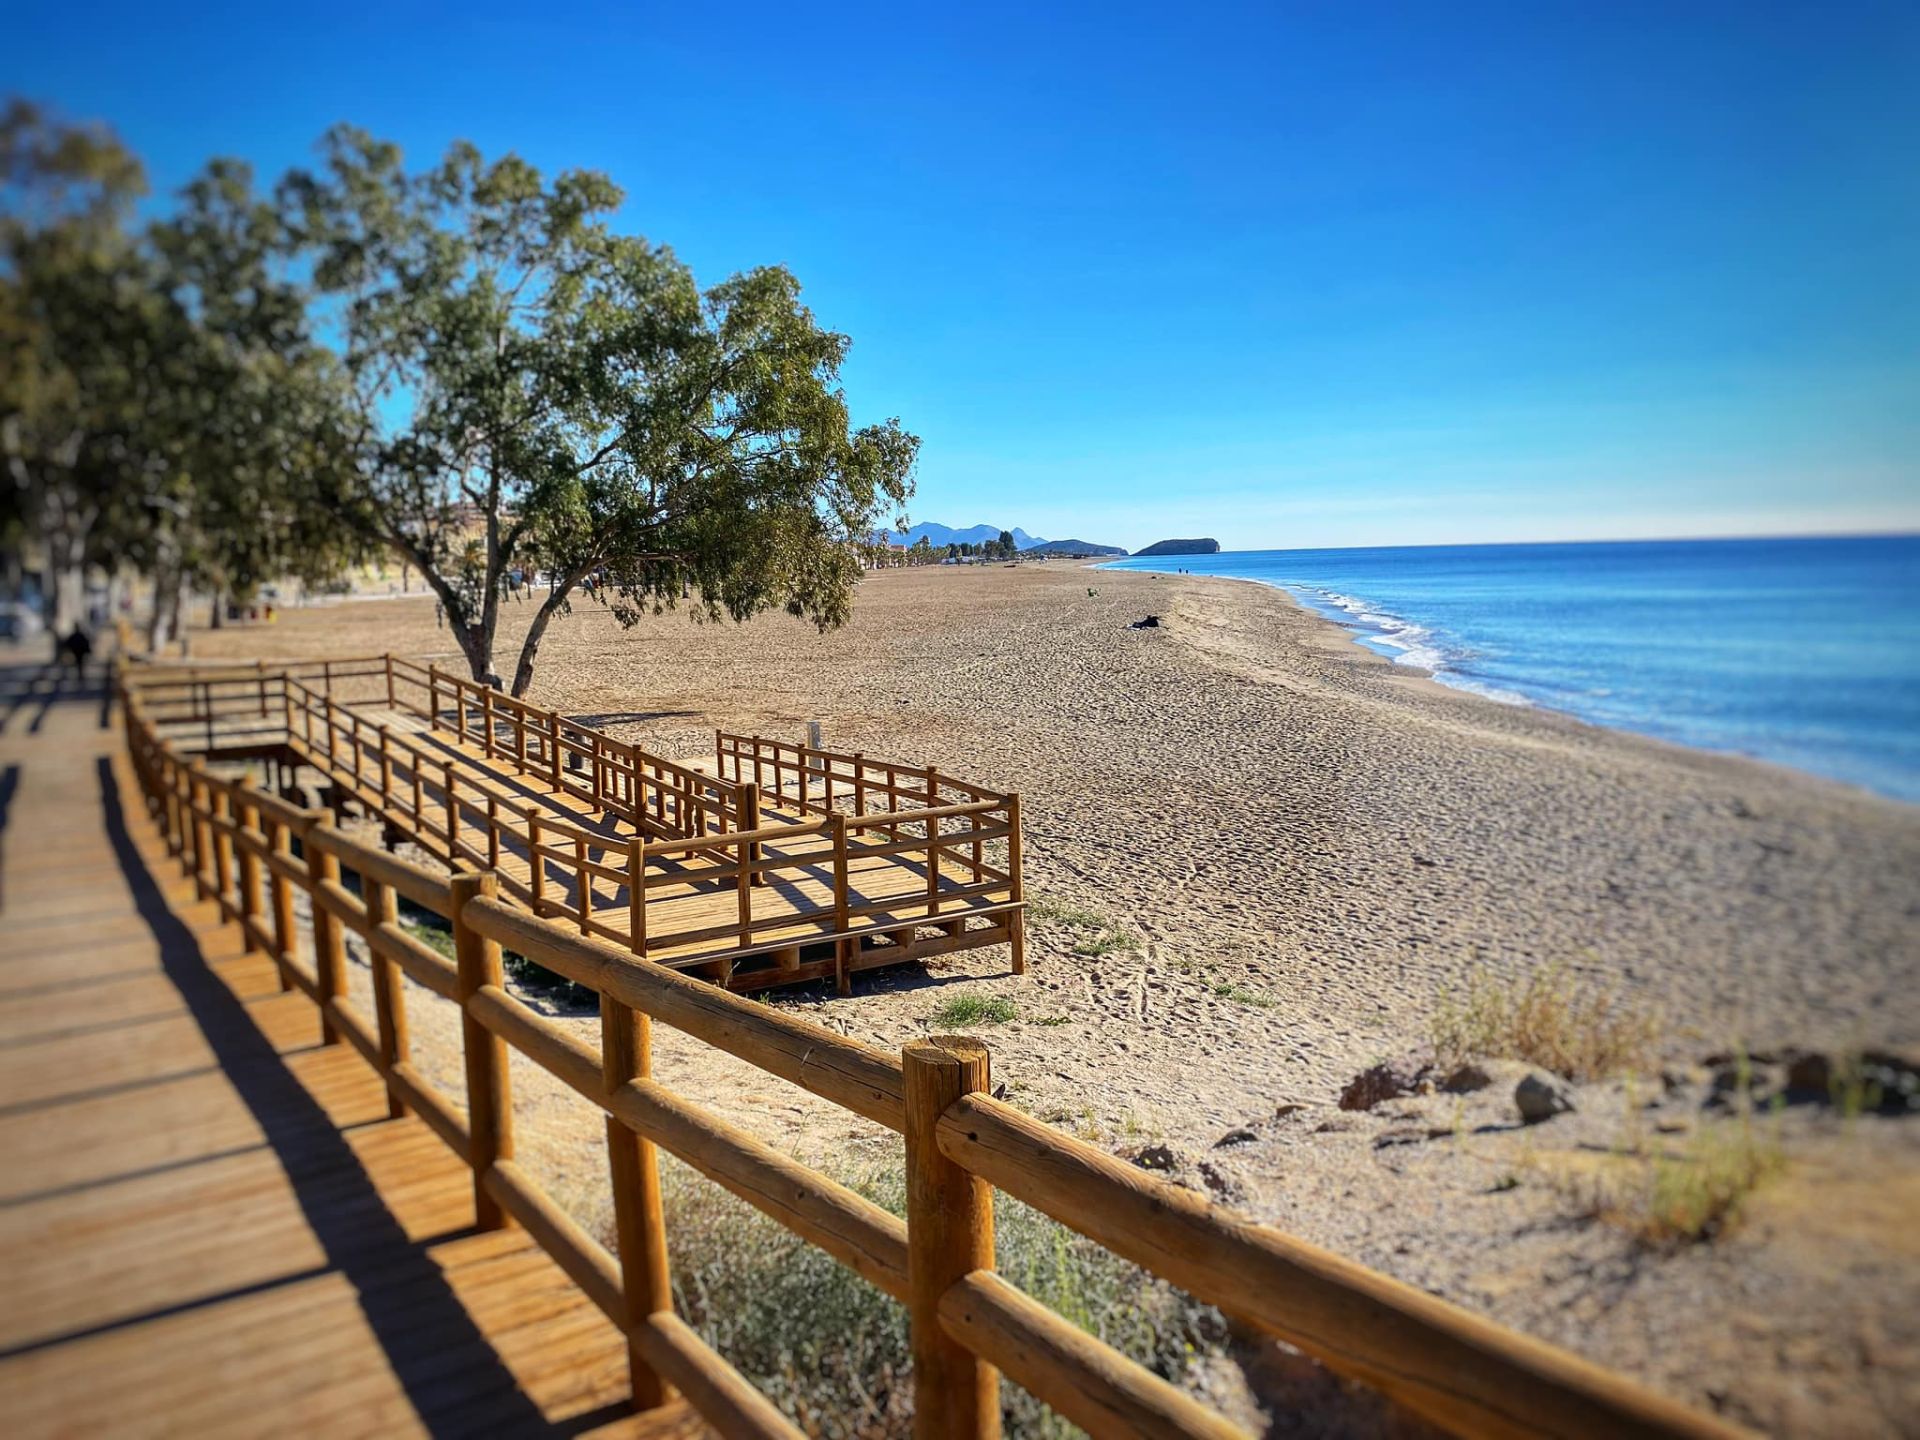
1288,275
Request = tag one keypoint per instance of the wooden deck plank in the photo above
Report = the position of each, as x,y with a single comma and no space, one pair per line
208,1224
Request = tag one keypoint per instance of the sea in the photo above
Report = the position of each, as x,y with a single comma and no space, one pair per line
1804,651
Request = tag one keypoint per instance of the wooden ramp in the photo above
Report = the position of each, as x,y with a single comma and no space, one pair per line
208,1224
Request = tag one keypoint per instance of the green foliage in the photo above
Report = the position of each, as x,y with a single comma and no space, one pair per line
1665,1198
164,406
1241,995
974,1010
1701,1192
1550,1019
570,399
463,364
86,342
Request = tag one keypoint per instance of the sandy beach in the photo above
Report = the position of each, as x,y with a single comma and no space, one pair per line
1309,849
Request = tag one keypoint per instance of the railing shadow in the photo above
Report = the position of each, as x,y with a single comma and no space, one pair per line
433,1340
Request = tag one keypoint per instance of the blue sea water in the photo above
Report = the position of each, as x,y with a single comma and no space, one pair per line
1801,651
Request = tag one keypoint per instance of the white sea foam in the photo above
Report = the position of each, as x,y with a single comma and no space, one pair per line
1410,644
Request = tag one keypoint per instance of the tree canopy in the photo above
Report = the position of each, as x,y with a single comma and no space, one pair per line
464,365
534,392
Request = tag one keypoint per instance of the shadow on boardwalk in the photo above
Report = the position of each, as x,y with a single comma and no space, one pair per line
429,1336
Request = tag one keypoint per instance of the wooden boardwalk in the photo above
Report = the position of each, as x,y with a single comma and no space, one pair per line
799,864
208,1224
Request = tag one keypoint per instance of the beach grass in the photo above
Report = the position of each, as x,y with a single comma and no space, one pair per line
1667,1198
961,1010
740,1279
1095,934
1552,1019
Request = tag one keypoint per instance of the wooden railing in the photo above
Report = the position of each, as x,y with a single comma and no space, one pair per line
250,852
689,837
648,791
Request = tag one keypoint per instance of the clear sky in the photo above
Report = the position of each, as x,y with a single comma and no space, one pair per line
1286,274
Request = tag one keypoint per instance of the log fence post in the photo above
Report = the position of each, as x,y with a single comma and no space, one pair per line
956,1395
536,866
1017,890
933,845
329,939
639,1217
487,722
746,877
749,820
386,767
844,944
199,806
586,884
637,894
489,1107
176,824
389,995
286,937
247,817
388,657
453,815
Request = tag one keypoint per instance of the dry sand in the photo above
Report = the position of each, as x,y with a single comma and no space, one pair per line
1312,847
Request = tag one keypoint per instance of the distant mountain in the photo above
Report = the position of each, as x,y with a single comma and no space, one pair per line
939,535
1072,547
1180,547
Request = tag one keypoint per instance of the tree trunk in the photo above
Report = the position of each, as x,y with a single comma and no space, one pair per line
68,582
218,616
530,647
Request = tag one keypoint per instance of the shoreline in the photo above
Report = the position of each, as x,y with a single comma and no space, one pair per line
1354,639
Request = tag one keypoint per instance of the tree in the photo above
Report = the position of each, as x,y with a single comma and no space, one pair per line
161,405
84,343
1006,545
530,389
267,417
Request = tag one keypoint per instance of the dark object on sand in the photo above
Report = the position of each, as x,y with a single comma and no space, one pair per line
1541,1096
1152,622
77,648
1387,1080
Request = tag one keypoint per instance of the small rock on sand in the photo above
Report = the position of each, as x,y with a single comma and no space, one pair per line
1386,1081
1541,1096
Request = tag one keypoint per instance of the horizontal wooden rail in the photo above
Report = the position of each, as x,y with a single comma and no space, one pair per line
854,1076
852,1229
1086,1380
1456,1368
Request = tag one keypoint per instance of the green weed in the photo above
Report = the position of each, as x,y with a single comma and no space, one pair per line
974,1010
